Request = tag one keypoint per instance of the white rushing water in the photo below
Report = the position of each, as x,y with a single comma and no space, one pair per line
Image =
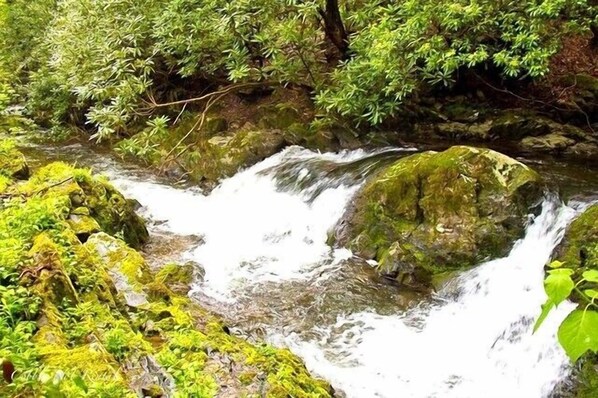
473,340
253,231
477,344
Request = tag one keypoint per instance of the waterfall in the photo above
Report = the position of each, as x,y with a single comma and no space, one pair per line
264,235
475,340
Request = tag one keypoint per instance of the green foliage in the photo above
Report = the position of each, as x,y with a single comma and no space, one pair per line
575,277
577,334
102,59
413,43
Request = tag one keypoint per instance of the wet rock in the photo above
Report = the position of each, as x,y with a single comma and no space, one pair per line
579,251
223,156
435,212
583,150
178,277
516,125
460,112
579,247
82,224
463,131
279,117
554,143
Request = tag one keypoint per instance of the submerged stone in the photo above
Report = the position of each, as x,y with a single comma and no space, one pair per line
435,212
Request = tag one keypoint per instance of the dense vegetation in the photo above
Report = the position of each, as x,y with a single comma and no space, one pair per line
104,64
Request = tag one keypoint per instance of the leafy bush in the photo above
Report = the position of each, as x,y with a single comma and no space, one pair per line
104,58
415,42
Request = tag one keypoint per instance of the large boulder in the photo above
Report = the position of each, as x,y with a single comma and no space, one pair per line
434,212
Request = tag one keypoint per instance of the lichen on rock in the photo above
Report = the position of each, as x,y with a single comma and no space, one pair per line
579,248
435,212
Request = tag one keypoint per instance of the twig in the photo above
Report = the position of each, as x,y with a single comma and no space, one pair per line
197,126
153,104
6,196
52,186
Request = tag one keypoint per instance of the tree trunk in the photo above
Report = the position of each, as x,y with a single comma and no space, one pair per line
334,27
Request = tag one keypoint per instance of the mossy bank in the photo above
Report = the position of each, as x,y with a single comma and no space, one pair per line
82,314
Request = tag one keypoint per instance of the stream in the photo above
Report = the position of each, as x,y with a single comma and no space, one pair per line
259,244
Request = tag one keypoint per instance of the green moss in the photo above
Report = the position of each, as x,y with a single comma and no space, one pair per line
280,116
178,277
12,162
433,212
586,377
5,182
174,273
580,245
69,328
110,210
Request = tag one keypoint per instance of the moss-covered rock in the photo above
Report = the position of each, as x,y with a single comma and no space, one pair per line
178,277
126,267
223,156
584,95
90,197
434,212
278,117
83,224
579,248
68,325
555,143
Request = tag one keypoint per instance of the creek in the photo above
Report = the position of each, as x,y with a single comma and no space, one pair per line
259,244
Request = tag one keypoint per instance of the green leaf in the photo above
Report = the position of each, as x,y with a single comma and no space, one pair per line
556,264
561,271
591,293
558,286
591,275
578,333
546,308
